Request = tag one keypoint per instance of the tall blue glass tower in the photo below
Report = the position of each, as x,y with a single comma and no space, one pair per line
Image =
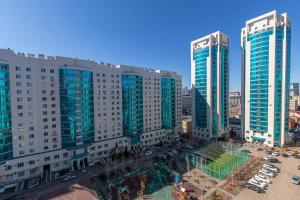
266,50
210,67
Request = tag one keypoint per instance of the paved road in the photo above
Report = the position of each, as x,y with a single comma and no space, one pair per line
91,172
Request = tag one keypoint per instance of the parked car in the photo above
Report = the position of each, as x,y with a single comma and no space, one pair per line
285,155
272,165
273,169
268,152
289,153
262,178
148,153
268,157
69,177
254,188
275,154
257,183
295,180
297,156
259,149
83,170
266,172
273,160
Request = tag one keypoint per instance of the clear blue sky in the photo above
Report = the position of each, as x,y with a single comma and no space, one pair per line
153,33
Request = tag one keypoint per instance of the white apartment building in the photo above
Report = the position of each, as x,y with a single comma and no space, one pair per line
210,85
266,50
62,113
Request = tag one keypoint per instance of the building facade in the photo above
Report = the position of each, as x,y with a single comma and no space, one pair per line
210,85
186,125
187,105
62,113
234,99
294,89
266,50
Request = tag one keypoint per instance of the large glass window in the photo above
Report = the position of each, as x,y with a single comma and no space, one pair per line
132,100
200,58
5,115
77,107
168,102
259,80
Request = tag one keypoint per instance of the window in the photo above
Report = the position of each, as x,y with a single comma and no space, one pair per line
20,165
22,173
31,162
8,167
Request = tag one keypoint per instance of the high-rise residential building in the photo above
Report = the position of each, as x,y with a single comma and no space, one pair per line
210,84
266,52
234,98
186,105
294,89
62,113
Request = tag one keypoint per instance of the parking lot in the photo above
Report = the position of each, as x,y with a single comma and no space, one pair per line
281,188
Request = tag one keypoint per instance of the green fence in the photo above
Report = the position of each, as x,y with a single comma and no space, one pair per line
217,159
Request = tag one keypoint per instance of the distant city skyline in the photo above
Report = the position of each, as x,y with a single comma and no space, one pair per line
153,34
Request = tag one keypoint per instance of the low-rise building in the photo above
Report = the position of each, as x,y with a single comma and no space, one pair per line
186,125
186,105
235,125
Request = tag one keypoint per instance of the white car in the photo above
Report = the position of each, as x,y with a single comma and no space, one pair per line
258,184
271,166
289,153
272,169
262,178
275,154
148,153
268,157
265,172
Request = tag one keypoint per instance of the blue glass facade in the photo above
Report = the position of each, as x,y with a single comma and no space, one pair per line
219,87
214,90
168,115
200,57
5,115
76,107
278,86
132,100
259,80
287,77
243,71
224,90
